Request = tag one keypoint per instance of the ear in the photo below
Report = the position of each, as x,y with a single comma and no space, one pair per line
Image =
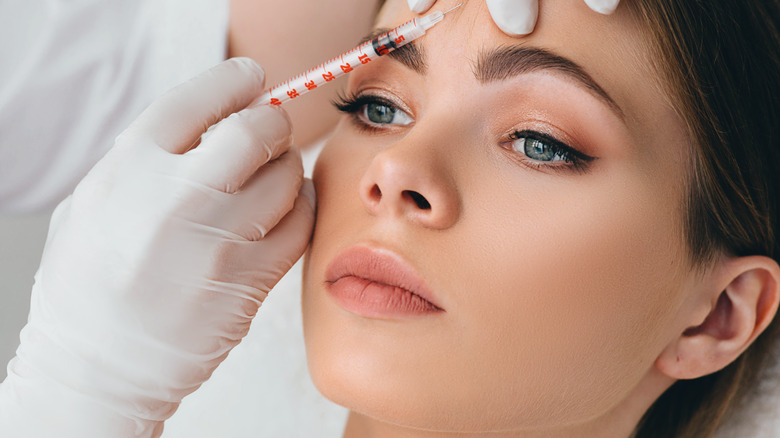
742,301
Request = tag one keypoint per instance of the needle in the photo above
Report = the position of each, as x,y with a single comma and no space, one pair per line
452,9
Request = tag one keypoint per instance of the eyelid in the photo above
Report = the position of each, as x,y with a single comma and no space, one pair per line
352,104
551,132
574,159
385,95
543,137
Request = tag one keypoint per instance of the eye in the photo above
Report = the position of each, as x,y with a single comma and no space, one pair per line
540,150
383,114
373,112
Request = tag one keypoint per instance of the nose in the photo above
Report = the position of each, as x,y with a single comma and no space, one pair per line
409,182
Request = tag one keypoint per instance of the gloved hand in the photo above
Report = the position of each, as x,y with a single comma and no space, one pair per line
155,266
517,17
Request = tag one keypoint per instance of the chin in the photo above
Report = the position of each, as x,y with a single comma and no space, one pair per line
397,374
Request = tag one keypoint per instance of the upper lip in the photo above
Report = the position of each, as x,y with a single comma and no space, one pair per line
378,265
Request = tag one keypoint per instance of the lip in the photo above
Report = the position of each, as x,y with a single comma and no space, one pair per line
377,283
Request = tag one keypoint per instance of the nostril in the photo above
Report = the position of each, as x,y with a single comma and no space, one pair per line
418,199
376,192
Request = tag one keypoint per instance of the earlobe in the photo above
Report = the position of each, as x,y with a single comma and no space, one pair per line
744,301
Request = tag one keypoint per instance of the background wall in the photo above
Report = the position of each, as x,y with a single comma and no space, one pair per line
21,245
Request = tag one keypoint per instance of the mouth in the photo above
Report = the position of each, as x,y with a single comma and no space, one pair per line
376,283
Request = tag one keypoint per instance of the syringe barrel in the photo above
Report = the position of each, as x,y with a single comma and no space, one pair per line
345,63
398,37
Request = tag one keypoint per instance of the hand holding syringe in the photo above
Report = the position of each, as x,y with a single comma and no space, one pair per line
176,248
346,62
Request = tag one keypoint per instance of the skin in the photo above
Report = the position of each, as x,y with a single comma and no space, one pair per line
566,292
261,30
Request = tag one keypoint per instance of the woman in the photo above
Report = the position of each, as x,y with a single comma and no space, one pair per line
515,237
550,236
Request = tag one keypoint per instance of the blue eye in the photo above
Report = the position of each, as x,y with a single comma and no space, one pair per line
372,111
383,114
379,113
540,150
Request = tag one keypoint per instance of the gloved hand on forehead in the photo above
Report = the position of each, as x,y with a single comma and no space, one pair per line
517,17
154,268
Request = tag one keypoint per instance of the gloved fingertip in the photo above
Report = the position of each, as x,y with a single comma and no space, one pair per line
274,113
516,29
249,65
605,7
514,17
307,189
420,6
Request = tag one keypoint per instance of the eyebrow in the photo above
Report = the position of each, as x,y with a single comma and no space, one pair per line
411,55
509,61
506,62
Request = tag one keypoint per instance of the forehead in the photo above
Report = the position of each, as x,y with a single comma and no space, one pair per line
613,50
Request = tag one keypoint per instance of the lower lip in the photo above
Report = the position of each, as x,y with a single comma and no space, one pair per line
375,300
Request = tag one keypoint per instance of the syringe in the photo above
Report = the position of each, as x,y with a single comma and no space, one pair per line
346,62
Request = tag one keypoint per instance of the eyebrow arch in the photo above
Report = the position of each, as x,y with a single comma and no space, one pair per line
509,61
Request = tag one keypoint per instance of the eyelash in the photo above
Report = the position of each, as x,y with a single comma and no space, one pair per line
352,104
574,159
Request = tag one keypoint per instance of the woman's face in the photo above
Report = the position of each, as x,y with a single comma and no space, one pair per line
534,193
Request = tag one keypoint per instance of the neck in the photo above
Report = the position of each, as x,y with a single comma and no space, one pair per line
619,422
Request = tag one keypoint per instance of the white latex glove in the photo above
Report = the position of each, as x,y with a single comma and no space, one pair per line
155,266
517,17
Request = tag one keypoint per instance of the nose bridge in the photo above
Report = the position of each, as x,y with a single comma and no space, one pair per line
412,180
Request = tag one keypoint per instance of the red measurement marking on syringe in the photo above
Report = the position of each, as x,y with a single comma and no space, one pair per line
309,84
345,67
292,93
363,57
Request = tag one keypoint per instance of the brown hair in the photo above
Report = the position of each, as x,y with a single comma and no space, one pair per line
721,62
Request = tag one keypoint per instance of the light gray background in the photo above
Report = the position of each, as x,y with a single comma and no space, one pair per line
21,244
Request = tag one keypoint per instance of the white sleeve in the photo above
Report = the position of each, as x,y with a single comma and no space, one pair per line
75,73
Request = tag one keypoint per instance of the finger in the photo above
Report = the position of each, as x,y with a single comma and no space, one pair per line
605,7
262,264
238,146
267,197
177,119
420,6
514,17
247,215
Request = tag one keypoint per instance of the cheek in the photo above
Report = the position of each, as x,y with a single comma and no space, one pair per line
335,174
573,287
557,295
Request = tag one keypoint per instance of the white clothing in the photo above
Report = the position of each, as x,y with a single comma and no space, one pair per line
75,73
263,388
